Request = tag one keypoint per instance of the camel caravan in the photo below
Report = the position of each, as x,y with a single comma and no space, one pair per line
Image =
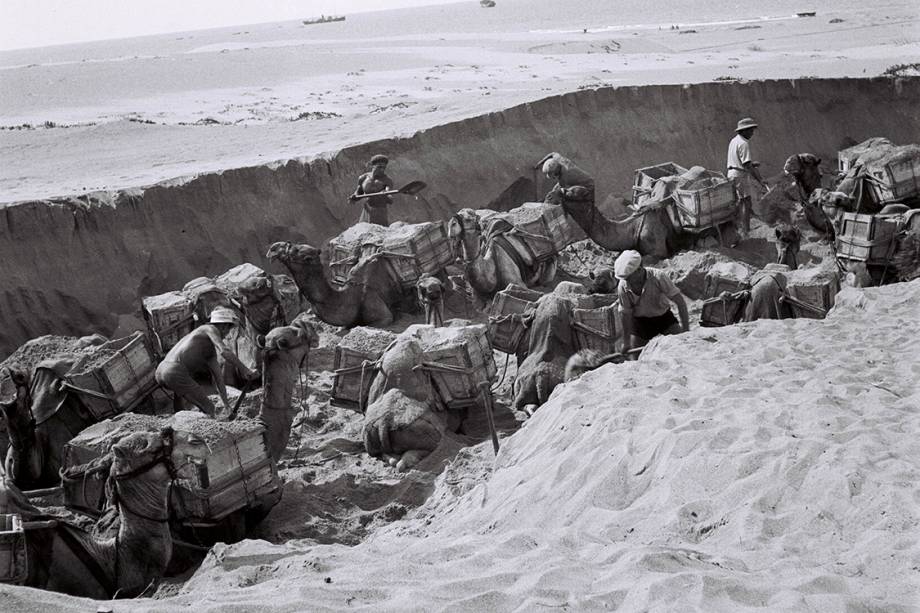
126,459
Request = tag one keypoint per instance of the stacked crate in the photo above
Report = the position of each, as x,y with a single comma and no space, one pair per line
115,377
169,317
813,291
506,327
544,228
867,238
354,364
458,359
706,206
220,467
646,178
14,566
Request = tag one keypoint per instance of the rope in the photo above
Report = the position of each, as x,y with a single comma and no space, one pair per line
504,372
304,366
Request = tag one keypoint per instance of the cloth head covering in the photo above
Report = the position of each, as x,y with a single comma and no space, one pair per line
627,263
746,123
223,315
379,159
552,167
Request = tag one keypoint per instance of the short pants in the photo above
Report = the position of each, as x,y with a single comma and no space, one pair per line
175,377
648,328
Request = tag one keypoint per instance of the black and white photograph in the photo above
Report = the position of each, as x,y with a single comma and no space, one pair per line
459,306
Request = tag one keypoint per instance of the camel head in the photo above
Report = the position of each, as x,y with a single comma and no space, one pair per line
603,281
465,228
15,399
287,253
255,290
805,168
787,245
300,334
143,457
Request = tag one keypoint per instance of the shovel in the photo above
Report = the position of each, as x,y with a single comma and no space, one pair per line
409,188
239,401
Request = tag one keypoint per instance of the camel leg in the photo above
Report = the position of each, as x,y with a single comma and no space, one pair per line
411,458
375,311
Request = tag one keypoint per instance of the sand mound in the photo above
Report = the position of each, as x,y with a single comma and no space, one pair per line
770,466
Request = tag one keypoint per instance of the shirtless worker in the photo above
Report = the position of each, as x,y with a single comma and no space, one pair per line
376,180
742,168
572,183
195,357
645,295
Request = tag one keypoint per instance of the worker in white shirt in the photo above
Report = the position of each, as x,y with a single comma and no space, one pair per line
742,168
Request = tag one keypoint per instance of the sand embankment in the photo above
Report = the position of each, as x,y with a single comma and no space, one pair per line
79,265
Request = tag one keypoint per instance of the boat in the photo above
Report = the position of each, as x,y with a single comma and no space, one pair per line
323,19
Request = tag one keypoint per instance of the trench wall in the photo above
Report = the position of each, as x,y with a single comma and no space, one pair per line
79,265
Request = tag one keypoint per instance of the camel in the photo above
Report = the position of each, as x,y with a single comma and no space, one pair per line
551,345
805,169
649,231
402,424
372,300
431,297
767,289
40,419
494,263
285,351
64,558
261,307
787,245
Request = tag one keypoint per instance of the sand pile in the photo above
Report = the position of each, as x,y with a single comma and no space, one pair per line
48,347
769,466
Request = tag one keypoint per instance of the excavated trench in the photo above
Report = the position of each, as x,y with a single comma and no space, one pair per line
80,265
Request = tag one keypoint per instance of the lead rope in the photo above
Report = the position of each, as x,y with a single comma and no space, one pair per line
304,366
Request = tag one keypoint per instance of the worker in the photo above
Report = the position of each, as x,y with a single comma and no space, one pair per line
572,183
645,295
741,169
194,358
371,182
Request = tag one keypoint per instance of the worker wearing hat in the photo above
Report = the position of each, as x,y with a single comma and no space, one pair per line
742,168
572,183
375,208
645,297
194,359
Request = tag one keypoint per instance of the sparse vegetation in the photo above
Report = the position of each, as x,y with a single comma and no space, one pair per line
903,70
755,48
311,115
726,78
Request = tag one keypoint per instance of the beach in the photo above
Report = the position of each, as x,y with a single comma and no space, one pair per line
128,113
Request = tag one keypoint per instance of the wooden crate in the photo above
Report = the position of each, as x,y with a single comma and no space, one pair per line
706,207
214,480
120,382
13,553
353,362
225,471
867,238
723,311
288,296
595,328
342,258
469,361
428,246
846,158
819,292
231,280
562,229
506,328
646,178
169,318
895,181
714,284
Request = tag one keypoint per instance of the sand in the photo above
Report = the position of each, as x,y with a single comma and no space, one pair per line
130,113
764,466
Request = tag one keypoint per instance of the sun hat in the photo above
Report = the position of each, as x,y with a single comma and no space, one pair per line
746,123
627,263
223,315
379,159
